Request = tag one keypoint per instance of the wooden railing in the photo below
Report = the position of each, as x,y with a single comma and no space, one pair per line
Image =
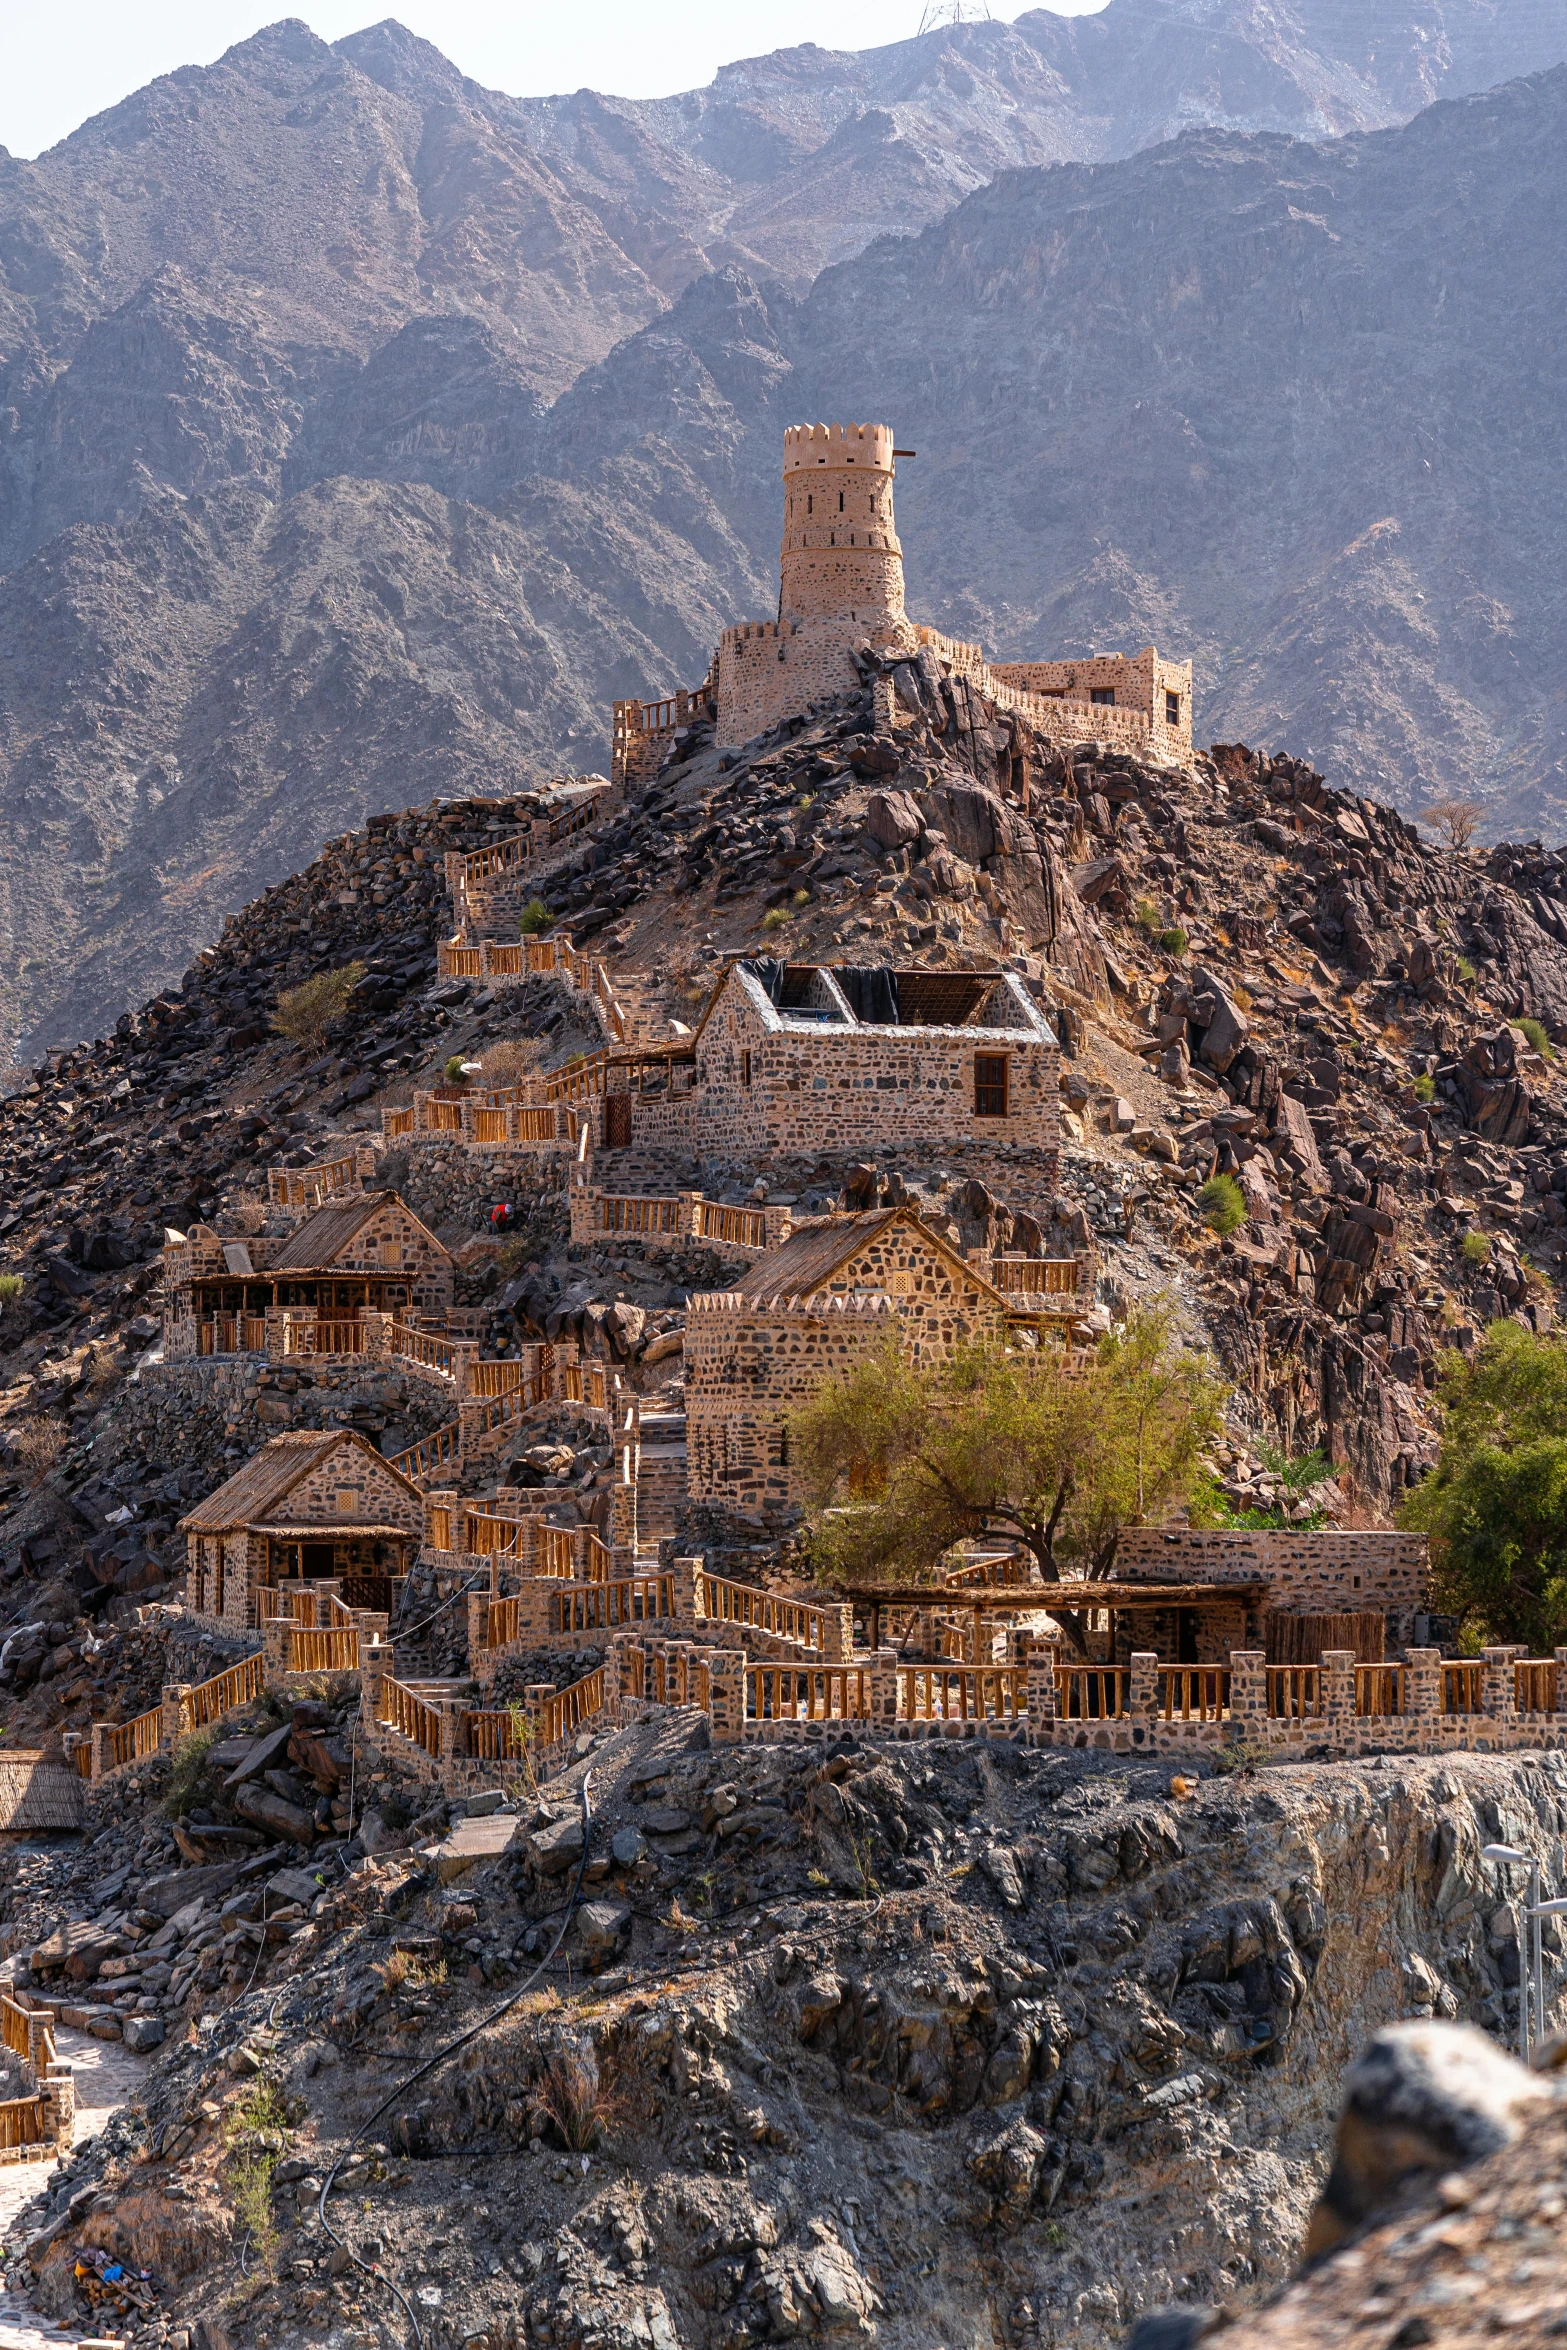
498,1377
556,1552
496,1737
1194,1693
404,1709
457,962
229,1334
1463,1686
84,1759
578,1081
323,1338
584,1383
741,1603
1534,1684
339,1615
311,1650
24,2121
807,1693
1036,1276
639,1215
485,1534
436,1451
1295,1693
422,1346
1380,1691
236,1685
396,1122
1092,1693
568,1709
744,1227
16,2026
133,1742
607,1607
489,1126
505,1623
962,1693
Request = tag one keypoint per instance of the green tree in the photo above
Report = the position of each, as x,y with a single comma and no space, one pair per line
1495,1505
900,1463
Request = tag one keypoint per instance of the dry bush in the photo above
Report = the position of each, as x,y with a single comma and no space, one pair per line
38,1444
1454,819
305,1013
580,2098
511,1060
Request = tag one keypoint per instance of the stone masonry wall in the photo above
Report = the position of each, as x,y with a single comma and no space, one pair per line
854,1090
1310,1574
745,1370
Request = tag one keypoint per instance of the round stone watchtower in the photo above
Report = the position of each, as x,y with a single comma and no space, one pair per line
842,583
841,557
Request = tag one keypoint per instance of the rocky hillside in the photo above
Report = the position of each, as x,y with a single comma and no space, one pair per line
839,2044
1090,2014
357,423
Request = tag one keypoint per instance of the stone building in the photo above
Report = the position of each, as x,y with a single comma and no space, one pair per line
797,1060
841,594
832,1294
310,1508
362,1254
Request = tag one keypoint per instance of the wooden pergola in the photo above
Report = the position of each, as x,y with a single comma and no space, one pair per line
1031,1598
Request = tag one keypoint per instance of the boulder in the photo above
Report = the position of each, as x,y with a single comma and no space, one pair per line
601,1928
557,1846
141,2033
267,1809
892,820
1496,1102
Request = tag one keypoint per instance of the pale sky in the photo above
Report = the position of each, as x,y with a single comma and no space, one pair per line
65,62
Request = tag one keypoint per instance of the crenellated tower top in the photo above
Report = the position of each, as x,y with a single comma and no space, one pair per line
837,444
841,559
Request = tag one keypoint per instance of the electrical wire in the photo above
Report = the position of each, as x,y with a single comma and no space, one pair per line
486,2023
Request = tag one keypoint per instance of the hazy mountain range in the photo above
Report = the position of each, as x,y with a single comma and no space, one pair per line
362,432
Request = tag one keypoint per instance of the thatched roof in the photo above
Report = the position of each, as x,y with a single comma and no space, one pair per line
37,1795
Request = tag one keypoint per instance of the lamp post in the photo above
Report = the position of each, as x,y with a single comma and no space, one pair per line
1531,1954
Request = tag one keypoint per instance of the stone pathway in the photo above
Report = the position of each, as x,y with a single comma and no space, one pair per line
106,2075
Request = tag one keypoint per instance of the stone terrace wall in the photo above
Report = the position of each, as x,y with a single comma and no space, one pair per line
1325,1573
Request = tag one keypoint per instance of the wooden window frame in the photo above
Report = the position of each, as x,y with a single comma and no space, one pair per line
987,1085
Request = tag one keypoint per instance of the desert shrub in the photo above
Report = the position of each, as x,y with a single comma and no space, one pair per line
453,1073
1222,1205
11,1287
536,916
774,918
1149,918
1474,1248
1465,969
1425,1088
1534,1030
38,1444
512,1060
304,1014
572,2095
1174,940
186,1767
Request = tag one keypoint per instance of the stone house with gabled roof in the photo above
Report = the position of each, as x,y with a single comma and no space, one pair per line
313,1506
832,1294
793,1060
364,1254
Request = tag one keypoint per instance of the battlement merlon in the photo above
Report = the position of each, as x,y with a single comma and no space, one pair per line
811,445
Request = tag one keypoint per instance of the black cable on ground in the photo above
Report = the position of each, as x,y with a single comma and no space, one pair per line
485,2024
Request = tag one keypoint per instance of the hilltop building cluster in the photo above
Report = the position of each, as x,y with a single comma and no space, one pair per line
842,598
807,1074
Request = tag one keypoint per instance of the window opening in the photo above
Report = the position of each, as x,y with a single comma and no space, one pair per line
990,1085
